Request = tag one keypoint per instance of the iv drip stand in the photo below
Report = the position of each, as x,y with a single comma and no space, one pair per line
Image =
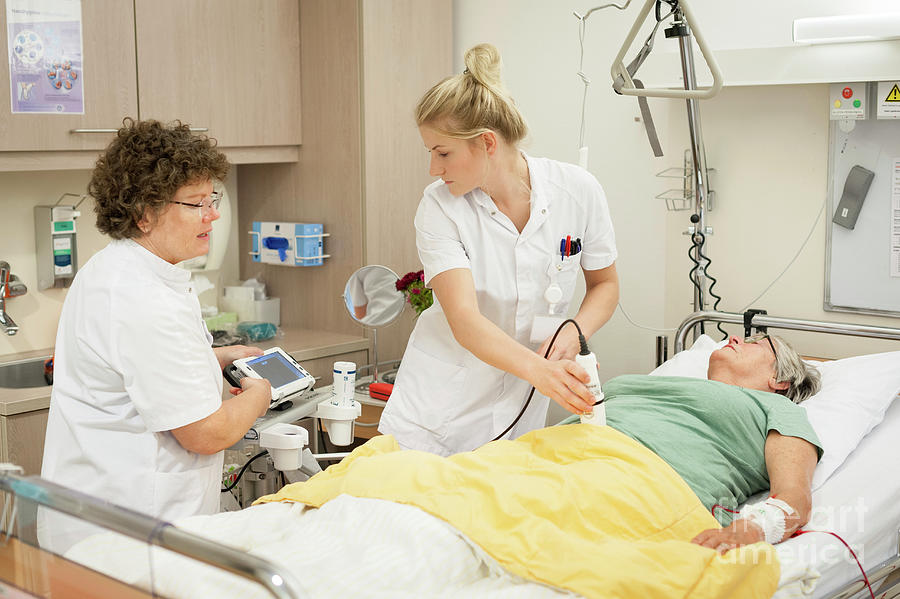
698,151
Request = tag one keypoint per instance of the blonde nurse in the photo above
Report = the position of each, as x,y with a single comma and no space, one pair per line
502,237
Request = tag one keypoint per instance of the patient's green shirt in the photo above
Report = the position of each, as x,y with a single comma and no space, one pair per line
713,434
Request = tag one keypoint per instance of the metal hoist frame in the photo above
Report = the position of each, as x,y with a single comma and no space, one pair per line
684,27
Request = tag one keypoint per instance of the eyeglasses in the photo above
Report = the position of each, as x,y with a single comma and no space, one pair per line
759,338
207,204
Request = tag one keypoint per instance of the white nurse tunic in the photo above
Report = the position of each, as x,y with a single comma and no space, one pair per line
445,400
133,361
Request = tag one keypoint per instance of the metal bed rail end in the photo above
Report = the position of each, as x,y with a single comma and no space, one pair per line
282,585
776,322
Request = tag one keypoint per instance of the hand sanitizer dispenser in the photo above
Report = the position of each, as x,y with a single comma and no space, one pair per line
54,235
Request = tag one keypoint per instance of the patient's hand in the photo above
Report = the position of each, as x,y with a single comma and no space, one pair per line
740,532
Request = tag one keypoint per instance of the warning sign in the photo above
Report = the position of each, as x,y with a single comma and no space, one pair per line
889,100
894,95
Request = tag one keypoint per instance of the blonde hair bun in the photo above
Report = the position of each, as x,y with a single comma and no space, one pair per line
483,63
473,102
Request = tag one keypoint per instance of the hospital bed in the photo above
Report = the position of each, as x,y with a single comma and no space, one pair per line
368,547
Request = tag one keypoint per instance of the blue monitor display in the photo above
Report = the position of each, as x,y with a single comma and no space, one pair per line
276,369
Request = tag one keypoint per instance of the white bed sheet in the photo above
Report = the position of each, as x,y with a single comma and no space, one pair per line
861,503
350,547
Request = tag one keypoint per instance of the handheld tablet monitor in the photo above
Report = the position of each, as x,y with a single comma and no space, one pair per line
280,369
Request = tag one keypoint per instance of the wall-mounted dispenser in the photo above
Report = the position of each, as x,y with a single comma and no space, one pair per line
54,238
287,244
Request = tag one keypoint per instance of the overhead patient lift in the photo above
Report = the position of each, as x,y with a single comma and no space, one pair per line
684,27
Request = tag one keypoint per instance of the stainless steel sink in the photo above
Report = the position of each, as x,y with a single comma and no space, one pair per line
23,373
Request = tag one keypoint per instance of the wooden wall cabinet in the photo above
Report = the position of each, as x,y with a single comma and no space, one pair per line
362,166
109,83
231,66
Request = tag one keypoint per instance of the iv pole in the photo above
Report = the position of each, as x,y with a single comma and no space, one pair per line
681,28
698,151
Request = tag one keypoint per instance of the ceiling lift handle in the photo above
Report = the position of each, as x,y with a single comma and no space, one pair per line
618,68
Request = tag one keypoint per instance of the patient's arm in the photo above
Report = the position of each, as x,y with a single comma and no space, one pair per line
790,462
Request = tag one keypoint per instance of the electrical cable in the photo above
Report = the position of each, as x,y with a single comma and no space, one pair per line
640,326
584,79
321,433
241,473
692,274
546,354
710,291
794,259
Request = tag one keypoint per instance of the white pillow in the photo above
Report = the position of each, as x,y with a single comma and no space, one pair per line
855,394
691,362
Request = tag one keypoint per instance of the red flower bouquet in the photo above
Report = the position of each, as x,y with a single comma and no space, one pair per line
412,285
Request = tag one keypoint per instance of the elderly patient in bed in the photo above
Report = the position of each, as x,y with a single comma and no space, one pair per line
734,435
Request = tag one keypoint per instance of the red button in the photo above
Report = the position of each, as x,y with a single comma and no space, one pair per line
847,93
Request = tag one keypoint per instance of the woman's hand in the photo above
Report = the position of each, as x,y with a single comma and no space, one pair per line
563,381
738,533
261,388
228,354
565,347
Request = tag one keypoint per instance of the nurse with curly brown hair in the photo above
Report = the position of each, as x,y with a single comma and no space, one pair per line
136,412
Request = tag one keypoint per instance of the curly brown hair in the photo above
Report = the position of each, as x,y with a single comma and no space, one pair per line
143,168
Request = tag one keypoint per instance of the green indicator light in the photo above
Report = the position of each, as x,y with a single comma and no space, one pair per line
64,225
856,103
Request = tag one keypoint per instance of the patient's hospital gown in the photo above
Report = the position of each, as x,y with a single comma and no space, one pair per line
711,433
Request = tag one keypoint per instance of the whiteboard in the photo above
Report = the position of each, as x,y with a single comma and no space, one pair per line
858,262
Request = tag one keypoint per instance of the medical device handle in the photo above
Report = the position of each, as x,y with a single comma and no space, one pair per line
618,68
280,584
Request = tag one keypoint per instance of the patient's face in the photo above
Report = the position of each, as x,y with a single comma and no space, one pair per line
749,365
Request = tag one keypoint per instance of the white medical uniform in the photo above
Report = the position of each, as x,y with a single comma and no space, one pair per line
133,360
445,400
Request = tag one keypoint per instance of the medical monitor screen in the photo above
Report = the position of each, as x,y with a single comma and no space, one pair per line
276,369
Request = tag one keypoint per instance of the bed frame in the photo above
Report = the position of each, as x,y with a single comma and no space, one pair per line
887,572
23,495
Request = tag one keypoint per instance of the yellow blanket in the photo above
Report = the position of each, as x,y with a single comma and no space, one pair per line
580,507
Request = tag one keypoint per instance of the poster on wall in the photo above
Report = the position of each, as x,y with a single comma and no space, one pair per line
45,56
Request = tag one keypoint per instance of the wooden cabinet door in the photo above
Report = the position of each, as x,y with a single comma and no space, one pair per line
110,89
232,66
23,439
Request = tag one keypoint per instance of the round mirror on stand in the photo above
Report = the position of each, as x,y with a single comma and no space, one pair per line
372,299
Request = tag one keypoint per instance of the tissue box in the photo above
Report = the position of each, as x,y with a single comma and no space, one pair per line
240,300
223,321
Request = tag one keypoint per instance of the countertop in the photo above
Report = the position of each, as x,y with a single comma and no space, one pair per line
302,344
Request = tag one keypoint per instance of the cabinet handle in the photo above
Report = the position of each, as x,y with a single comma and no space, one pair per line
195,129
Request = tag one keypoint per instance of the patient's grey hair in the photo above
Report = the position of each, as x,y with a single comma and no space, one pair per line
804,379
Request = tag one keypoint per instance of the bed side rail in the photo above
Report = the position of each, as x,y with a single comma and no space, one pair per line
776,322
136,525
